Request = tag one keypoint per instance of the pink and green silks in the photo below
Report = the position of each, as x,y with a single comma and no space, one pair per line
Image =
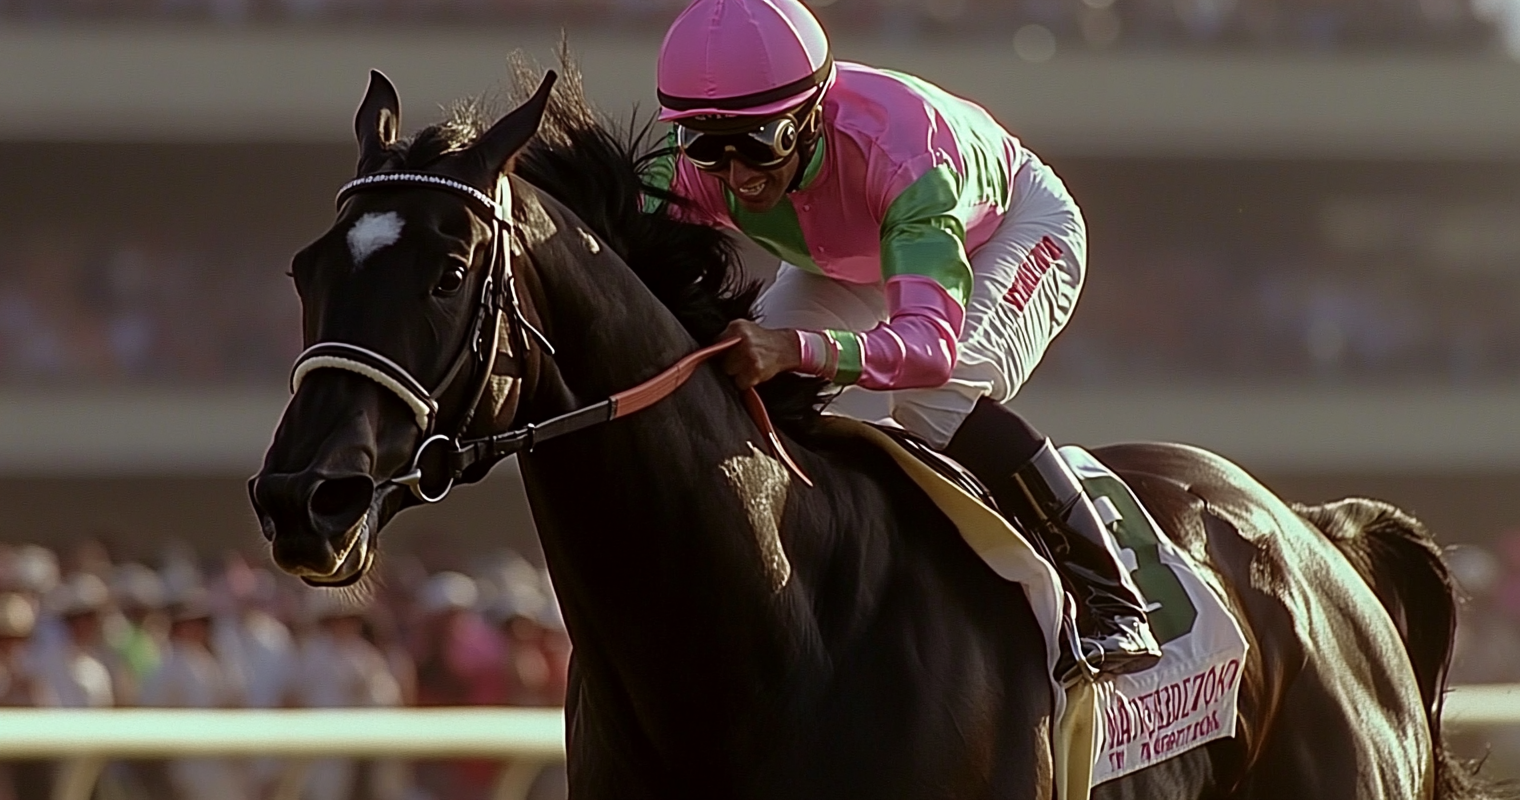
906,181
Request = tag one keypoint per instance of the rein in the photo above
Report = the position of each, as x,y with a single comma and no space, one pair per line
441,459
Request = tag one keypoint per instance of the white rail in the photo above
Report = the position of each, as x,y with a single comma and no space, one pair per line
149,733
527,739
1486,705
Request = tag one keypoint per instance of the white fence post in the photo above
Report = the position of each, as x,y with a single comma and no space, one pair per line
516,779
76,778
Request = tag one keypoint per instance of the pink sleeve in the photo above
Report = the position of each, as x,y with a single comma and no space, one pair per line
916,347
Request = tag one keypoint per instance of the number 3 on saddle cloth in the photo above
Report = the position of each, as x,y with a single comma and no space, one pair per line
1189,698
1143,718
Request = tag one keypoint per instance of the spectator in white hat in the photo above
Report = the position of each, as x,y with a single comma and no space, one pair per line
190,676
33,572
339,668
75,667
142,631
20,686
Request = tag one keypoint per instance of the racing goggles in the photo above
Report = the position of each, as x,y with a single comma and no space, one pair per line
764,147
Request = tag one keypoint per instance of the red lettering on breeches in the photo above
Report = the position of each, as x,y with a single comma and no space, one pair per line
1039,261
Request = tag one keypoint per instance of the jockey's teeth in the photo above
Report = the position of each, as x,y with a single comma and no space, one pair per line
753,189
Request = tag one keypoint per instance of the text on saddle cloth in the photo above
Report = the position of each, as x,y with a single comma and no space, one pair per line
1188,699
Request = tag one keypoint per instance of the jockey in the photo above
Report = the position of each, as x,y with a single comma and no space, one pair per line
926,257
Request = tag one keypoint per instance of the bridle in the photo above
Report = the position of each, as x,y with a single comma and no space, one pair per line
441,459
497,296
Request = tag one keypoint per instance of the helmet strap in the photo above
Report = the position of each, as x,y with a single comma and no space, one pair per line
809,130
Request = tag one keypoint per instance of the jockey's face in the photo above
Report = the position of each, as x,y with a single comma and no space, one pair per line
757,189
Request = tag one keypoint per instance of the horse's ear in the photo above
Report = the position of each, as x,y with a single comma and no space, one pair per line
490,154
378,121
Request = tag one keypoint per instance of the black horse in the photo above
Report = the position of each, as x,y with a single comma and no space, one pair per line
737,633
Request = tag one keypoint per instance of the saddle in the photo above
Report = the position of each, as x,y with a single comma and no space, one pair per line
1118,724
963,479
947,468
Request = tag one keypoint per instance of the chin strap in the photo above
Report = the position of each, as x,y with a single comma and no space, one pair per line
805,155
811,131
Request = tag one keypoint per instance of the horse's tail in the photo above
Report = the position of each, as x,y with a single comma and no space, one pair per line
1399,559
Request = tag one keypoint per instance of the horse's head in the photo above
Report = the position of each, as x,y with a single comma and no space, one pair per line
405,302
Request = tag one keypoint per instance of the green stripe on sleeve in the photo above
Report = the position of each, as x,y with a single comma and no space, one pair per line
923,234
849,367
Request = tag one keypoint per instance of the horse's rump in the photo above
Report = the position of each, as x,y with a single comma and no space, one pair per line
1399,559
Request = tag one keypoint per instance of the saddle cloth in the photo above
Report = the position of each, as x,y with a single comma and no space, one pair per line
1189,698
1118,724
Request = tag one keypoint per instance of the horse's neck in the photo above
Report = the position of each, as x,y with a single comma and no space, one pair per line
662,529
679,489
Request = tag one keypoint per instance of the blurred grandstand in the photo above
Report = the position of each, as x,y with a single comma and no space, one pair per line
1379,285
1319,25
1304,252
87,628
1314,270
1290,201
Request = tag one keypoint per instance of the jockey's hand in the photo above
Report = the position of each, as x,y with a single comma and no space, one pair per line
761,353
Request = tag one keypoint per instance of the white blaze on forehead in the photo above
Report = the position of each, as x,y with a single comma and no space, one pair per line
372,232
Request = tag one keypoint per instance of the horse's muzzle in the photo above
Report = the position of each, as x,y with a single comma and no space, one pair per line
319,526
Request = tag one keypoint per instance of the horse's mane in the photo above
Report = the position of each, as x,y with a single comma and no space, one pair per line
593,167
463,123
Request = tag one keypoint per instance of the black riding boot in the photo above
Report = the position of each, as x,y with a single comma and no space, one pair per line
1044,495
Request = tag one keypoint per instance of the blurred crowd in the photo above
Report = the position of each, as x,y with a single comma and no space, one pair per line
1488,632
143,310
87,631
138,313
1488,641
1292,24
1245,319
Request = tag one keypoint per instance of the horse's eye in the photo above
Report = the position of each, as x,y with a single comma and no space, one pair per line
451,282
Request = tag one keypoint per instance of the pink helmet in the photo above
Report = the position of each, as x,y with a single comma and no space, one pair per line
742,58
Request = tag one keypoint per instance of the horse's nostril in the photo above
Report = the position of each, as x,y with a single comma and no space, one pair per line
342,501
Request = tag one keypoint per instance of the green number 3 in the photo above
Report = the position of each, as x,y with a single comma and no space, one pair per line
1157,581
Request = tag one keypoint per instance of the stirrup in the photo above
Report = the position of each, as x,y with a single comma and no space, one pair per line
1074,658
1132,649
1096,660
